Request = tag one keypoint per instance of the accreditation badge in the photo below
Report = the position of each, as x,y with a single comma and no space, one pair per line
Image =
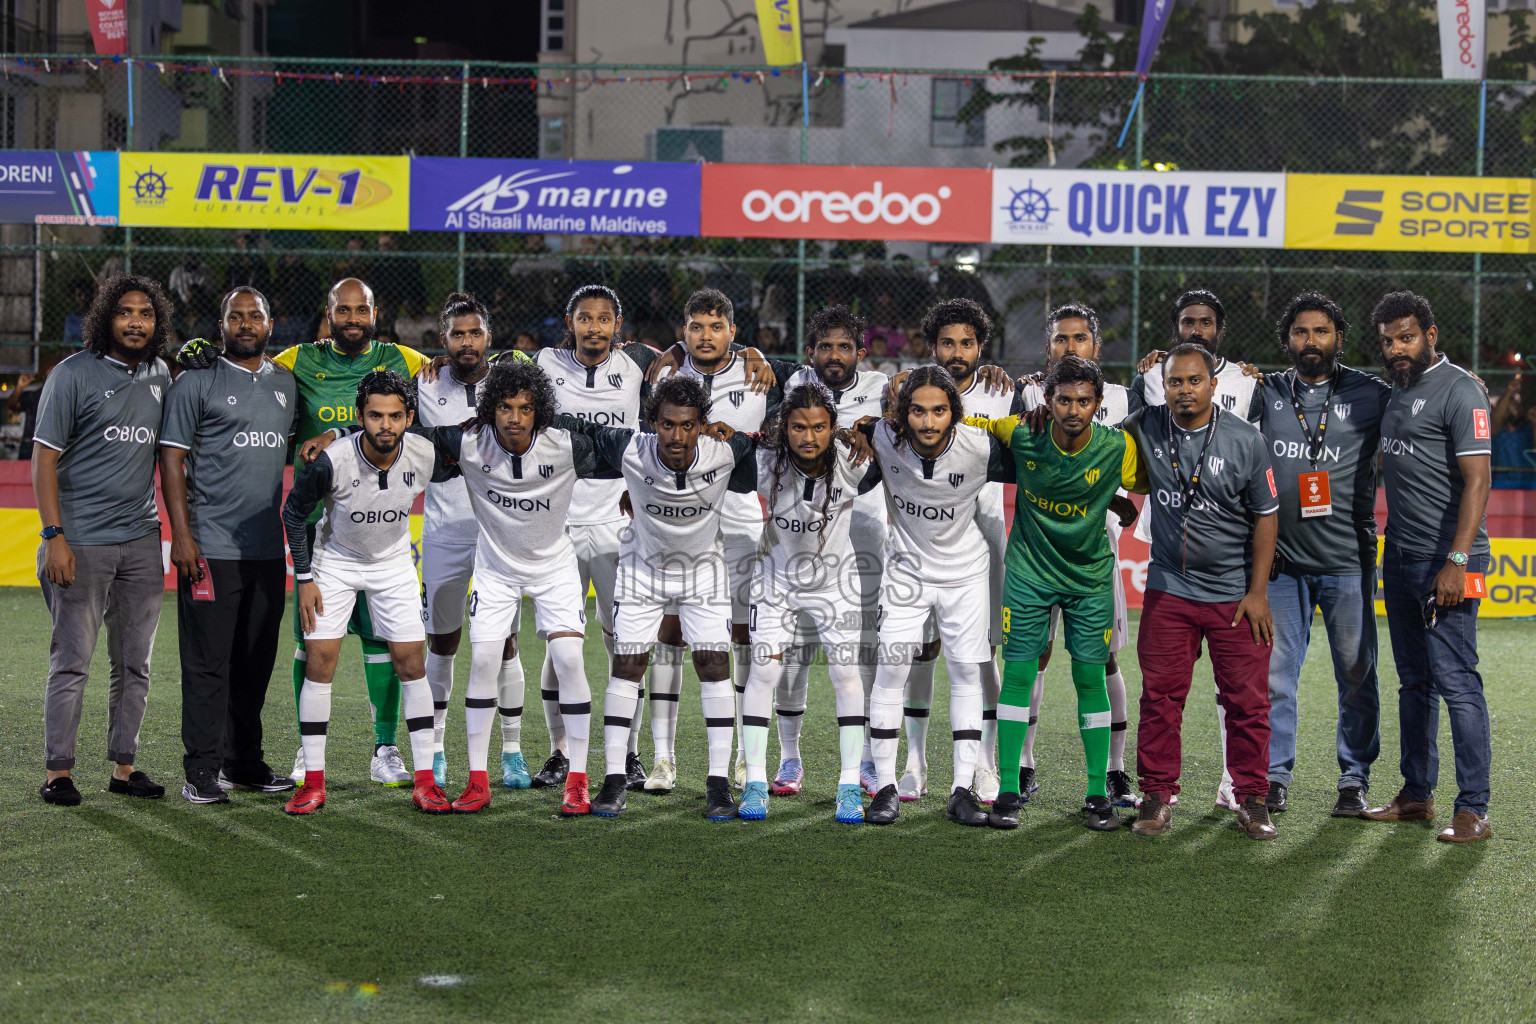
1315,497
1477,587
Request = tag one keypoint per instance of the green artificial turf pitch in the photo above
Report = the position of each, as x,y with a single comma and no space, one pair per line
125,910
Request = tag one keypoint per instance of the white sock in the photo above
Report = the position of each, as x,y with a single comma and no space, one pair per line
991,686
314,720
1027,755
1117,724
549,696
618,708
440,679
790,697
575,697
509,687
719,722
885,702
848,688
666,686
741,667
755,703
917,708
965,720
416,704
480,701
1221,730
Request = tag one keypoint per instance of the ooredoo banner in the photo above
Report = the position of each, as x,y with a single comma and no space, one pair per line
925,204
1207,210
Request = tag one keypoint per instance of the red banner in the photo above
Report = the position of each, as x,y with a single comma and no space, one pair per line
109,25
924,204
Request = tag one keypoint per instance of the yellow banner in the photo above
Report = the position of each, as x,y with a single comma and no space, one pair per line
1408,214
265,190
779,22
1511,579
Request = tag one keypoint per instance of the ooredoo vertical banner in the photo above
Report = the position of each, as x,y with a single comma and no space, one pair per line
109,25
1463,38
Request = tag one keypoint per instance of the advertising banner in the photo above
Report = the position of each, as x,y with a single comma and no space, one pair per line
925,204
46,186
265,190
1404,213
1208,210
779,23
109,25
554,196
1463,38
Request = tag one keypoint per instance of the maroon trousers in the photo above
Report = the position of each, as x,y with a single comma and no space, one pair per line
1167,644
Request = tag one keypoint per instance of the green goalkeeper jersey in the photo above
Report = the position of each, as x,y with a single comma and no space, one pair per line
1058,540
328,380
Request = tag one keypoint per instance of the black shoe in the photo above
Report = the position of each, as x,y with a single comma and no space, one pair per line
610,799
1118,785
202,787
718,803
1027,784
137,784
61,791
1005,811
553,774
1099,814
885,808
262,780
1351,803
1275,801
635,772
963,807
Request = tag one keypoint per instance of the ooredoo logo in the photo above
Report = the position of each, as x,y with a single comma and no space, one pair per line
799,201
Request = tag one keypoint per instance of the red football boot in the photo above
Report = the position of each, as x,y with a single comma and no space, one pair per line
576,801
428,796
309,797
476,795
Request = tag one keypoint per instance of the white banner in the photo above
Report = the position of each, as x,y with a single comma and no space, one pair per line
1463,38
1180,209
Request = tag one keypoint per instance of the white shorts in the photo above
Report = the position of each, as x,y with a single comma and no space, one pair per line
447,566
641,597
779,618
597,562
960,612
392,600
740,538
559,603
1121,625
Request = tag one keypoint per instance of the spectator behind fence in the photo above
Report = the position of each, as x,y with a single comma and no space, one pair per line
81,290
416,328
1512,439
24,400
399,280
248,267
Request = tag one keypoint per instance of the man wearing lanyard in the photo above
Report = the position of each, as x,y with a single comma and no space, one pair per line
1323,422
1213,507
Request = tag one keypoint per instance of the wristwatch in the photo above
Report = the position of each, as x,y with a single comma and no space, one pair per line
1458,558
50,532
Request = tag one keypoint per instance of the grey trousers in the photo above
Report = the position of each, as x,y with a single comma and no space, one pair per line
123,585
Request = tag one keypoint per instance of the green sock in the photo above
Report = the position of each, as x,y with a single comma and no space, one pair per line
300,666
1013,719
383,690
1093,721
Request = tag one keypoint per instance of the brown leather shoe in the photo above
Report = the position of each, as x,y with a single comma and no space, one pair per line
1466,827
1403,809
1253,819
1155,817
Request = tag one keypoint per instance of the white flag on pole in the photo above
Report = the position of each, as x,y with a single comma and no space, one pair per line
1463,38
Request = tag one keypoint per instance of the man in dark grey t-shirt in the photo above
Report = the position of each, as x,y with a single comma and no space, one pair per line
93,471
1322,421
1212,501
1436,447
222,450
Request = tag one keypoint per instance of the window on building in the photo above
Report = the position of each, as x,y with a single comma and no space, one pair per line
950,95
551,138
552,26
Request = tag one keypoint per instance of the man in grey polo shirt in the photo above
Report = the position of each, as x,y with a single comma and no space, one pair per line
222,450
1323,424
93,471
1436,448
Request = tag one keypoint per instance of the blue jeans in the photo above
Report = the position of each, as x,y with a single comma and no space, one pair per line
1349,613
1432,664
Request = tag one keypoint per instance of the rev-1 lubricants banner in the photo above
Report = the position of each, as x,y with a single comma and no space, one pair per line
47,186
1404,213
1207,210
265,190
554,196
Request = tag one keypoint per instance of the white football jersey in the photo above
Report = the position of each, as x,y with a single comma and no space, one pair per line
677,515
1234,388
738,407
607,394
991,511
932,504
447,402
367,517
805,543
1112,410
862,397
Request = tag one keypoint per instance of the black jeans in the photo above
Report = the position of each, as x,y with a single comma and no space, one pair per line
228,647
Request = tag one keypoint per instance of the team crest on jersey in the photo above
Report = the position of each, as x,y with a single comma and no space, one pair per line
1418,403
409,478
380,368
154,389
1214,464
837,493
709,477
956,479
1230,401
546,471
615,380
737,397
1092,476
282,398
1341,410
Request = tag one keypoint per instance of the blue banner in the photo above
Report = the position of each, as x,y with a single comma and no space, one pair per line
572,197
45,186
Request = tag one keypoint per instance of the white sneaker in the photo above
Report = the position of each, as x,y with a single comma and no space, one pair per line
1226,799
913,785
297,775
388,768
739,776
987,784
663,777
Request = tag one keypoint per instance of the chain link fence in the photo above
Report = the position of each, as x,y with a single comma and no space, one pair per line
963,118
